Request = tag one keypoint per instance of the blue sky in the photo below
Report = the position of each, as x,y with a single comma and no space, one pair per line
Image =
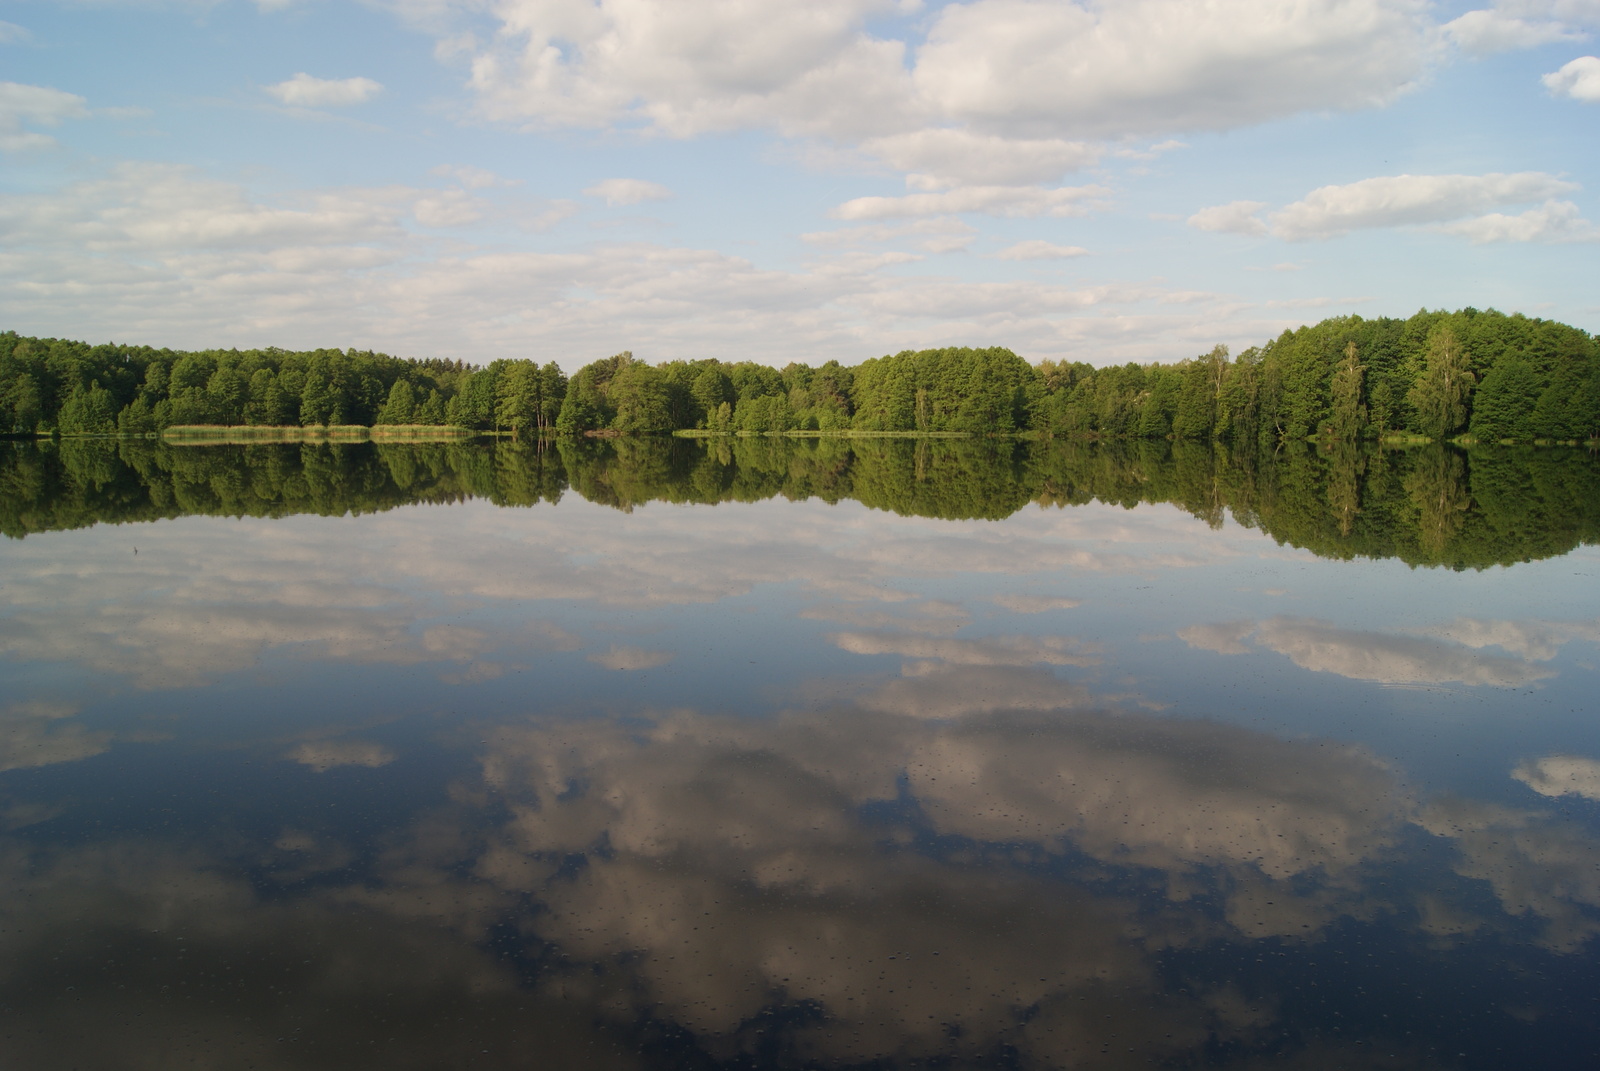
564,179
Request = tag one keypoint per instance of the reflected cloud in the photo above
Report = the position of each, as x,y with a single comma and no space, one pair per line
1561,775
932,616
1536,640
728,865
988,651
324,755
1164,793
131,927
163,622
1034,604
1537,865
1385,658
38,734
631,658
928,690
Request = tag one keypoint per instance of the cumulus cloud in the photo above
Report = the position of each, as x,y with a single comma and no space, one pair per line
1555,221
1494,30
622,191
305,91
1014,201
1038,249
1237,217
172,253
473,178
1154,66
940,234
1049,74
38,105
1577,80
949,156
1407,200
1454,204
1561,775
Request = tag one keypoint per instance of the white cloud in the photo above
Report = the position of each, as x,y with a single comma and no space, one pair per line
1038,249
631,658
1577,80
1154,66
305,91
947,156
473,178
1490,30
1561,775
39,105
1044,74
1411,200
1013,201
1237,217
940,234
1554,221
686,69
622,191
12,34
173,256
1402,200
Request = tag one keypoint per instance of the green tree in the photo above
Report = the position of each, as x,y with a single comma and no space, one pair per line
398,409
1440,396
88,412
638,393
1503,405
1347,415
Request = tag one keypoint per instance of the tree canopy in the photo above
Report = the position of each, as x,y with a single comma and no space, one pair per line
1437,375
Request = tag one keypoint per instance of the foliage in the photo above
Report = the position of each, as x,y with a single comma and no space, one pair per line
1345,379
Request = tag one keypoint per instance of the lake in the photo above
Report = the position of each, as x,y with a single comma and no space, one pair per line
798,753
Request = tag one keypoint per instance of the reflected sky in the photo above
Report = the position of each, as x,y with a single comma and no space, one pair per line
785,783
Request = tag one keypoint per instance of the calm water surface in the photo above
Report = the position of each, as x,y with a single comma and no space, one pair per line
797,755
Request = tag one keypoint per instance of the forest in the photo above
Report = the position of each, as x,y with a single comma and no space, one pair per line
1428,505
1480,376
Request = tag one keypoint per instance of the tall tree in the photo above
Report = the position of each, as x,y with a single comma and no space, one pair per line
1347,415
1440,395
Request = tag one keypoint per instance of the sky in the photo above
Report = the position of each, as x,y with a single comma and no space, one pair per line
1132,180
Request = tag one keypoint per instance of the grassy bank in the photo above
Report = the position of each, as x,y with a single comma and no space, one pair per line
221,433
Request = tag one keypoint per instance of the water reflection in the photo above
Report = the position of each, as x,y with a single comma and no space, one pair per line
807,783
1073,887
1430,506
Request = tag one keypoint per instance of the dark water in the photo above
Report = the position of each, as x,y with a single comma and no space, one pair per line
944,755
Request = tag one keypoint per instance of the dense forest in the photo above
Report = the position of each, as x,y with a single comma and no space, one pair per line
1426,505
1484,375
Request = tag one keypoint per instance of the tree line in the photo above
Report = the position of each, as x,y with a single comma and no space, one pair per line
1426,505
1438,375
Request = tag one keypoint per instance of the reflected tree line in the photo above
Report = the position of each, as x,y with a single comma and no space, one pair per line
1427,505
